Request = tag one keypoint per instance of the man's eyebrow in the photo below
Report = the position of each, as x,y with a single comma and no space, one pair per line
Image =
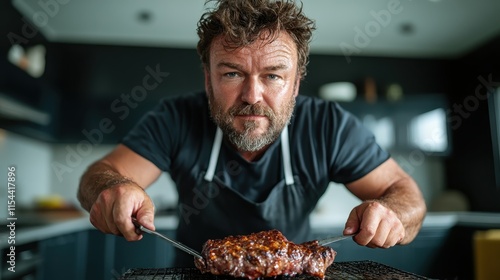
229,65
277,67
240,68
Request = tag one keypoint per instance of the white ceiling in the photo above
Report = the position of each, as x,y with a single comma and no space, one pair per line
441,28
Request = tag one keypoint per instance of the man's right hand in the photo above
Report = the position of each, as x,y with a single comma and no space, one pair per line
112,191
114,208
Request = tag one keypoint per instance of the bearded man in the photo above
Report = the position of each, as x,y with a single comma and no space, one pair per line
250,153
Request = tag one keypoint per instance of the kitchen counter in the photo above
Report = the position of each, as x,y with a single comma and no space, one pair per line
32,226
432,219
31,232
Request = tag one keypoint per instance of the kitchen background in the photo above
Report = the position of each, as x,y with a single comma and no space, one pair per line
425,76
88,72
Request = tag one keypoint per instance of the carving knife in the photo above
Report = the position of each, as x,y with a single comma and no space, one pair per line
329,240
173,242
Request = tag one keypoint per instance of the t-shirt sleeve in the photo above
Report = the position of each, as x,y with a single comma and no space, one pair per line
151,137
357,152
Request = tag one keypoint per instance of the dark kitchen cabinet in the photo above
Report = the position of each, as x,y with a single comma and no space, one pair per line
417,257
110,256
22,262
150,252
28,106
64,257
100,255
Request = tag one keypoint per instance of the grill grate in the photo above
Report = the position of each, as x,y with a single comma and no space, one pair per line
362,270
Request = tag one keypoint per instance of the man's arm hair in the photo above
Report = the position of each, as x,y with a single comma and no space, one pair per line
389,185
402,198
121,166
98,177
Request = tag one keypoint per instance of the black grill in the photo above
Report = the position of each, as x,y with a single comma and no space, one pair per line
366,270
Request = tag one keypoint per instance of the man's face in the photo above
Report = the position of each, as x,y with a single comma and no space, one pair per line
252,90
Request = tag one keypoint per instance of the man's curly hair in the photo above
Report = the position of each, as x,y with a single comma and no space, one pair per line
242,22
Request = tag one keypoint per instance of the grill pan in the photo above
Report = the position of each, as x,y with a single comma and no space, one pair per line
363,270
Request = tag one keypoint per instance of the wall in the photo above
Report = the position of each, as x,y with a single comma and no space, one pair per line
162,192
36,174
31,159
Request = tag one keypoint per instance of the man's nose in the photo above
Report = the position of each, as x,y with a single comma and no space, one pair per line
252,91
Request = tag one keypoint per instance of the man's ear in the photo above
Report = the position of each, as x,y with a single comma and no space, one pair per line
297,85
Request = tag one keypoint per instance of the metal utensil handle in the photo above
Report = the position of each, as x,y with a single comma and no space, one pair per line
175,243
329,240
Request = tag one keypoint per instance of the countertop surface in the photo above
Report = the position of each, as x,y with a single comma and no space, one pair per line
31,228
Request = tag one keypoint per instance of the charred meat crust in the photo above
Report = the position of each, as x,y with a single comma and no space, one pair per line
264,254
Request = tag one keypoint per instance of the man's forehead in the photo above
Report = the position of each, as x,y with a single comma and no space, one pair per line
281,45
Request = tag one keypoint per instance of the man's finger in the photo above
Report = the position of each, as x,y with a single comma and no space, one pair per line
381,237
395,236
101,220
122,216
369,224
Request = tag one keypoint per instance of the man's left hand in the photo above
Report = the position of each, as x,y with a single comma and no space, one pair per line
375,225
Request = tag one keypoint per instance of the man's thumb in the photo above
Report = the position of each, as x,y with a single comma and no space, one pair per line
352,223
145,216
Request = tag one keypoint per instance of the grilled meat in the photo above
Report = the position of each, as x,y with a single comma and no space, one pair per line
264,254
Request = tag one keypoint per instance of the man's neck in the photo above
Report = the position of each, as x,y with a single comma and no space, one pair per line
253,156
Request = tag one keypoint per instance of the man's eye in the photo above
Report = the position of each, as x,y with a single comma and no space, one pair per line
273,77
231,75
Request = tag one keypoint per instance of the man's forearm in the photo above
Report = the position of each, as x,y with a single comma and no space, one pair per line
405,199
97,178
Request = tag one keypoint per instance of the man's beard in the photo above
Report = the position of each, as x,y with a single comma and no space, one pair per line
244,141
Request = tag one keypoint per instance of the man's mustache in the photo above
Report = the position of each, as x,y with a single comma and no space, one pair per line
255,110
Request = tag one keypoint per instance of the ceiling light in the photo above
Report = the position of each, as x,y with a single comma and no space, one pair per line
144,16
407,28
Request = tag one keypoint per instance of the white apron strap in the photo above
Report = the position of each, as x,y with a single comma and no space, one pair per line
285,149
214,155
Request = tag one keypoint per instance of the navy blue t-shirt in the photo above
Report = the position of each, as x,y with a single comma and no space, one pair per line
326,144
